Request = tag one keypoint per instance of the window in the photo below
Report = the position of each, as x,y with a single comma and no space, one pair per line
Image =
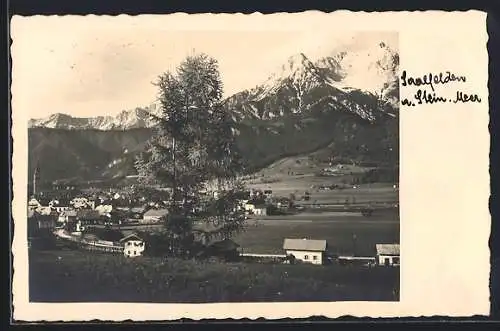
395,260
306,257
315,257
135,253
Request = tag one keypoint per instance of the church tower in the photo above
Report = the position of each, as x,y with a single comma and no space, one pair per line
36,179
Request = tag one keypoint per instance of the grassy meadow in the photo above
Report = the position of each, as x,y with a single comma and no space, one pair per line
266,236
77,276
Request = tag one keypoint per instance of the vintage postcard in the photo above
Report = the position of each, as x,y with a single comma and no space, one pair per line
245,166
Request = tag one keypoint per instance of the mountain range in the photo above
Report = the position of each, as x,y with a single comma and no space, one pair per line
347,102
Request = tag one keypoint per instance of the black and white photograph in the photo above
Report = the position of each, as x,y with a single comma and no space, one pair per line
211,166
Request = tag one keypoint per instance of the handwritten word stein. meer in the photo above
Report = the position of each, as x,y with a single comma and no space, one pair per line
426,92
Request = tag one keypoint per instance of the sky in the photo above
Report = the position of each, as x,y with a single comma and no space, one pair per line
87,68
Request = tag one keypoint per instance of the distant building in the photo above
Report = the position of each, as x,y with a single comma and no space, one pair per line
268,194
104,209
67,216
133,245
255,208
306,250
154,215
59,205
260,210
388,254
82,203
34,204
86,217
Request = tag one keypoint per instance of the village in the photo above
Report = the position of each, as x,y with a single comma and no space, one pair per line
115,221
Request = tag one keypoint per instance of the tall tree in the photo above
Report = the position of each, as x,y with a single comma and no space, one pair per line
193,152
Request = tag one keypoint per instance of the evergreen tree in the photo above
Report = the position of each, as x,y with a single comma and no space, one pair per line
193,152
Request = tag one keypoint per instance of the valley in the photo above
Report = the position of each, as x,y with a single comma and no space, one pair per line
319,141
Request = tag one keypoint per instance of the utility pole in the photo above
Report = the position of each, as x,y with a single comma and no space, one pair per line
354,238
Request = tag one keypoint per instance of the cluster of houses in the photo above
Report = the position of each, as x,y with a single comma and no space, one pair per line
80,212
70,216
77,213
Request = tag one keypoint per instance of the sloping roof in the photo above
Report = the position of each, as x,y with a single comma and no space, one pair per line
156,212
33,202
304,245
63,202
138,210
69,213
387,249
90,236
88,214
131,236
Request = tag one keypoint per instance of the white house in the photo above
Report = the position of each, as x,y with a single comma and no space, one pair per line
306,250
81,203
253,208
104,209
33,204
154,215
260,210
67,216
249,207
133,245
388,254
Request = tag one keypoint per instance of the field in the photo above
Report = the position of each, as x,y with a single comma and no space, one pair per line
266,236
69,276
345,232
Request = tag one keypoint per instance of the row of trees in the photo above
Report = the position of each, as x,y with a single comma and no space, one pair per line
193,149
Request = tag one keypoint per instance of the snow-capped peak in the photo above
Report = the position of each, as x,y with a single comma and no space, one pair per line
126,119
373,69
298,71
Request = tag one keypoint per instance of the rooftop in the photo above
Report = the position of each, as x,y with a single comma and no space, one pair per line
156,212
88,214
132,236
304,245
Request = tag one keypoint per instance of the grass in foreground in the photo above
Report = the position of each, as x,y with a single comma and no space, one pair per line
74,276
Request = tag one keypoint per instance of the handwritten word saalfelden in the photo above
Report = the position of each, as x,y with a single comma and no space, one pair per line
426,92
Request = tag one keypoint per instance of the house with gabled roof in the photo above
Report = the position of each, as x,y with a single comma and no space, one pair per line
133,245
306,250
154,215
388,254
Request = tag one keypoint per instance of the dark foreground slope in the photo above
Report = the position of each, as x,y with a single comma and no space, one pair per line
72,276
